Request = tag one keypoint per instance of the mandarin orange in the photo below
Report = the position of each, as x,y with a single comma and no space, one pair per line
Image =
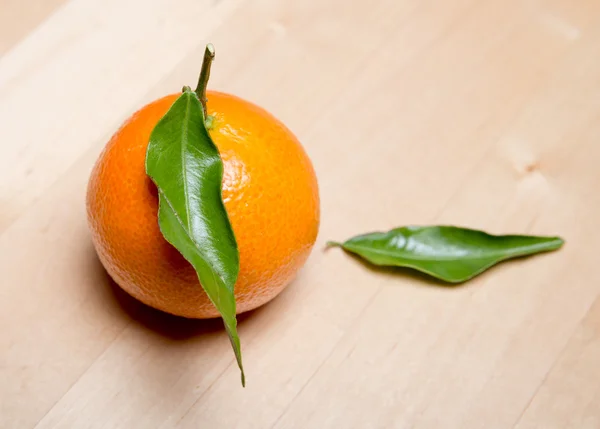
270,192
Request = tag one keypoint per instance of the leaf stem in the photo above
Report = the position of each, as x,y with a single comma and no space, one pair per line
209,56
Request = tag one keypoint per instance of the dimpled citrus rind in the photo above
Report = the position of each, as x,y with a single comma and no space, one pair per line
270,192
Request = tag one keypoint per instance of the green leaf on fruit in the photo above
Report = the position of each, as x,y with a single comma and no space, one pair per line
448,253
186,167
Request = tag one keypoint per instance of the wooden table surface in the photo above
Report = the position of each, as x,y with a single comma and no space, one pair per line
478,113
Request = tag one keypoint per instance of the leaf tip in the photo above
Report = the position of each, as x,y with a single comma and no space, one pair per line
555,243
333,244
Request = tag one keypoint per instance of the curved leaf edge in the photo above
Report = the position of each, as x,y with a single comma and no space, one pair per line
553,243
230,323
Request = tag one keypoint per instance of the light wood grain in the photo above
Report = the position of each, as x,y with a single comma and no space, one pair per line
18,19
480,113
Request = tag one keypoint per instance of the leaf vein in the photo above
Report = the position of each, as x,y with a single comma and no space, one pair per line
184,138
410,256
194,242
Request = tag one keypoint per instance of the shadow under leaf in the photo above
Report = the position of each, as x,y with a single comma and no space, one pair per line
423,277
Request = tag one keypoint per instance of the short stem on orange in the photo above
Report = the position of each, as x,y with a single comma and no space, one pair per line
209,56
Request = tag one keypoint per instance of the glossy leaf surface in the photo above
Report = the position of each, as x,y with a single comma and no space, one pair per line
448,253
187,169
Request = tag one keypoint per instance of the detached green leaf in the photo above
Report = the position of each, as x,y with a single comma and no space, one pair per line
185,165
448,253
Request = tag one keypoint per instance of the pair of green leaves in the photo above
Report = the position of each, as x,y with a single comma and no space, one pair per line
186,167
